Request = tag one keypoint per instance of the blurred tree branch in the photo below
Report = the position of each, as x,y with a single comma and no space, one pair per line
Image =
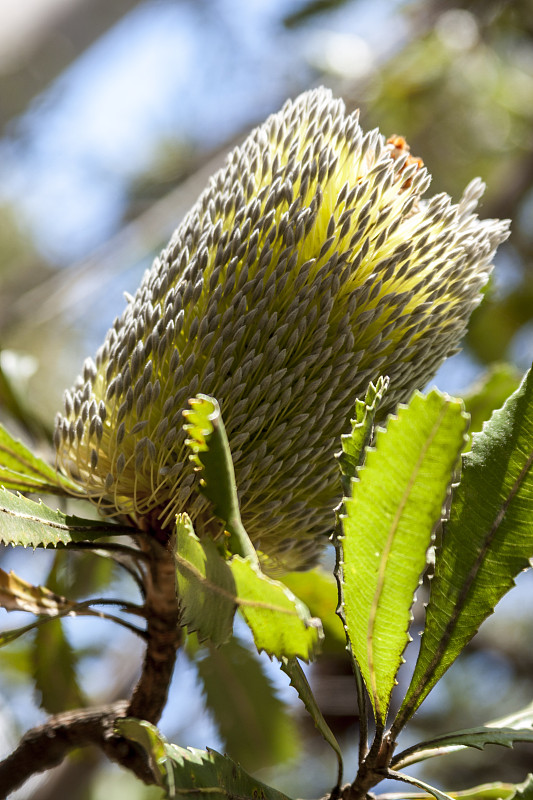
57,44
47,745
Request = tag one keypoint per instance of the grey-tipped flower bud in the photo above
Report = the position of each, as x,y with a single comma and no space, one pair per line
309,266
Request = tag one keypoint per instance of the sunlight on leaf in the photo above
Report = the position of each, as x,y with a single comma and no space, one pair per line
486,543
280,623
388,524
17,594
486,791
211,589
205,585
353,444
205,773
318,590
524,791
25,522
431,790
211,453
22,471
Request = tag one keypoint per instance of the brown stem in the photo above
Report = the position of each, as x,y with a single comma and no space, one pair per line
46,746
373,769
163,631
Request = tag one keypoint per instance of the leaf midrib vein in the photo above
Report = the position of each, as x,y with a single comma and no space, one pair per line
386,552
467,585
239,601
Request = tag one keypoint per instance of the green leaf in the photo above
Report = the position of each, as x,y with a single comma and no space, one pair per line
77,573
205,585
206,774
211,453
54,669
22,471
504,731
16,665
280,623
252,721
400,776
451,742
16,594
293,669
388,524
6,637
25,522
12,389
487,791
524,791
318,590
211,589
353,444
489,393
486,543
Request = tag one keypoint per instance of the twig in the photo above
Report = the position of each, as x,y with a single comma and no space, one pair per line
128,608
109,547
362,710
163,631
91,612
47,745
124,556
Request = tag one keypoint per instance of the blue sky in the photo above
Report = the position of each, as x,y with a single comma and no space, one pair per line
167,71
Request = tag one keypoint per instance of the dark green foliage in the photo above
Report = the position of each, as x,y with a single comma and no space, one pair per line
205,773
54,669
22,471
487,542
31,524
242,699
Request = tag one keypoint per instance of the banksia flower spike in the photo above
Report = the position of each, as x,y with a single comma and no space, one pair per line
309,266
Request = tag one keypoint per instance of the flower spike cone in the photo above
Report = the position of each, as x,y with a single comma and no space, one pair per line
310,265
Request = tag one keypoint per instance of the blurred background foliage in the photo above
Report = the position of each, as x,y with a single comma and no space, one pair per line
112,116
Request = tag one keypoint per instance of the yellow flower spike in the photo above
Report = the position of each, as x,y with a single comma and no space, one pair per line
309,266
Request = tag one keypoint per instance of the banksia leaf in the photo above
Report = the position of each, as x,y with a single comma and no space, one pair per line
309,266
431,790
211,453
211,589
280,623
387,528
205,773
353,444
486,543
256,727
31,524
22,471
298,681
16,594
54,669
317,588
205,585
477,738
